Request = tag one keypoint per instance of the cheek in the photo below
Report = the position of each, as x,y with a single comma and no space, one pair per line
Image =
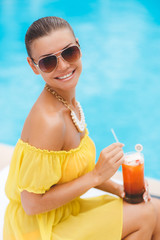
80,67
47,77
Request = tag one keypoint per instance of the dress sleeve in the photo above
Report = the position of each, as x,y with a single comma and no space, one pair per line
38,169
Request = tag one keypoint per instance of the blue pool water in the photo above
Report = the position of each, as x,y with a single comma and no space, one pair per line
120,84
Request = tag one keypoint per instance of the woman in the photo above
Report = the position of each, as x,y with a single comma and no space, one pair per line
54,161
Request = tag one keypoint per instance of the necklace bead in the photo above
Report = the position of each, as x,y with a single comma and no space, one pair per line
79,124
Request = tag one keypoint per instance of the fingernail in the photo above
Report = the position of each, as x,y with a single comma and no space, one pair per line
145,198
123,195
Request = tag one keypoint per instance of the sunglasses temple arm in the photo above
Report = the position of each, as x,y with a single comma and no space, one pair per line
34,62
77,43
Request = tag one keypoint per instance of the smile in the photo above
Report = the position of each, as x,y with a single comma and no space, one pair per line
66,76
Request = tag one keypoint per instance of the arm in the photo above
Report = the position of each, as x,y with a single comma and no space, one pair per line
51,125
109,161
58,195
112,187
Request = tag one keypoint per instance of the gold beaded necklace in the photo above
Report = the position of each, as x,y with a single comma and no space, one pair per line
80,124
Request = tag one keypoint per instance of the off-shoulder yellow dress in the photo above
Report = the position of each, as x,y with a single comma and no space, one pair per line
36,170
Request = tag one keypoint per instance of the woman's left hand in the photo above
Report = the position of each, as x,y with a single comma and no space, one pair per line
120,191
146,195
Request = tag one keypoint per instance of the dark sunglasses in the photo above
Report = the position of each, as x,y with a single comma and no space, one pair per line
49,63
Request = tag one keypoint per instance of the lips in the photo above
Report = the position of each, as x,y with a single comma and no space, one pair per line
68,75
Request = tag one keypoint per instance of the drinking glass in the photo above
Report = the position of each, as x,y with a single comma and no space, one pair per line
133,177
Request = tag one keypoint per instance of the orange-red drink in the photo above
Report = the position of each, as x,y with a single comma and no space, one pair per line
133,177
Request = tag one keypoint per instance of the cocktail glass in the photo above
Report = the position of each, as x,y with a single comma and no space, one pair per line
133,177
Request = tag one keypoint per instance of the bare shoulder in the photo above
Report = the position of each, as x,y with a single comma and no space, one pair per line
44,127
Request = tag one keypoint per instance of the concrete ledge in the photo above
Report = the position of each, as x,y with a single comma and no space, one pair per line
6,152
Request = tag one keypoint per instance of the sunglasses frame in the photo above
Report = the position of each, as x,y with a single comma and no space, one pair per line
54,54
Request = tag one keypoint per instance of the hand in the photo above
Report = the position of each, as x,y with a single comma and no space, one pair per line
146,195
120,191
108,163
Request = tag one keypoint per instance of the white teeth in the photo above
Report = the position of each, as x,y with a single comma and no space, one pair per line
68,75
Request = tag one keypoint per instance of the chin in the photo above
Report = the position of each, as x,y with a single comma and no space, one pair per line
70,85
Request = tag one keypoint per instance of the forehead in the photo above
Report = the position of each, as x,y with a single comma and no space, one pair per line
51,43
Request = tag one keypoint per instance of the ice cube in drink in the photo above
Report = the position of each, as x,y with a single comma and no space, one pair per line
133,177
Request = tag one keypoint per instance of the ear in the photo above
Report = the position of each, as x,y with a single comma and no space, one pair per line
77,41
31,64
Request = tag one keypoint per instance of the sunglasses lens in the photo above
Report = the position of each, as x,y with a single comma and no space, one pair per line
71,54
48,64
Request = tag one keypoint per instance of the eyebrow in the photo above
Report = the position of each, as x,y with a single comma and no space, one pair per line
45,55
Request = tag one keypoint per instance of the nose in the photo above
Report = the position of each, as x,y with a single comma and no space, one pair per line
62,64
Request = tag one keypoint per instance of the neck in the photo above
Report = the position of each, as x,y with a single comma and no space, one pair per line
68,99
68,96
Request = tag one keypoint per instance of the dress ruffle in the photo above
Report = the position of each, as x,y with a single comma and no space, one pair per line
37,170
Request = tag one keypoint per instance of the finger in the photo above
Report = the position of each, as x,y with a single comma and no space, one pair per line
114,152
119,162
146,182
113,146
145,197
123,195
146,186
117,156
149,197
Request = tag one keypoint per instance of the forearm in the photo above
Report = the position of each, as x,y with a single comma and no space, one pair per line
61,194
108,163
111,187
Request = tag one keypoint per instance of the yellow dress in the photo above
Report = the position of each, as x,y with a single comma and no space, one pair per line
36,170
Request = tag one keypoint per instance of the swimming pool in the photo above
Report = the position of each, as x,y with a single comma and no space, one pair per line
120,84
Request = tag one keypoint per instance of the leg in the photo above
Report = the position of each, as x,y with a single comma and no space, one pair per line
139,221
156,234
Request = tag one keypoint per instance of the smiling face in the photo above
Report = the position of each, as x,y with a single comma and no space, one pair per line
65,76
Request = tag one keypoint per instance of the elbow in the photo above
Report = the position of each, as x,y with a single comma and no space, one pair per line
30,203
30,209
30,212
